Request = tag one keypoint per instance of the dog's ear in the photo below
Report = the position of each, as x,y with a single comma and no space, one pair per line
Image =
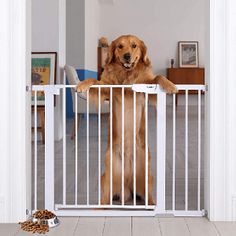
144,57
110,54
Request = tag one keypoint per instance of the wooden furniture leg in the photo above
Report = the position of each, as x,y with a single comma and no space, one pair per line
41,112
73,128
41,128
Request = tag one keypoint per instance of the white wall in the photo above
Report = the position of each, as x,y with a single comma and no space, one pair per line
48,35
75,31
160,23
83,24
92,22
45,27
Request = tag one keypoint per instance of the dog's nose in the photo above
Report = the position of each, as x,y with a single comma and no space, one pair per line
127,56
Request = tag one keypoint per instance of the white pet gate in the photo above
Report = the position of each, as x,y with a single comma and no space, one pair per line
84,204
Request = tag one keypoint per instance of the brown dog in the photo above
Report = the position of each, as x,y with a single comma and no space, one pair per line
127,63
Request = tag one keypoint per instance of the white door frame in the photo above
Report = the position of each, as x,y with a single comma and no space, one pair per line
15,145
15,168
220,200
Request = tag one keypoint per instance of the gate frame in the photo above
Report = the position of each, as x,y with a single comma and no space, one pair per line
52,90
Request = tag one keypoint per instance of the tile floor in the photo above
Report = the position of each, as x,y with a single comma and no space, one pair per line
131,226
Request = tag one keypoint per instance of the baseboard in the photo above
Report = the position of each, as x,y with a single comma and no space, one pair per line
234,207
107,1
2,209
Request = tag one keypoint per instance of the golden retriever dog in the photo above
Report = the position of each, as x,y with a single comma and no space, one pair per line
127,64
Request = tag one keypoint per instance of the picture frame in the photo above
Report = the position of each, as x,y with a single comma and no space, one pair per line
43,72
188,54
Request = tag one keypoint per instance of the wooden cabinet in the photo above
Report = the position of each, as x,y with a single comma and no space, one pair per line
101,58
186,76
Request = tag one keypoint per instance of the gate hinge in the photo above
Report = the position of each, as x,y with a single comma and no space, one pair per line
28,88
28,213
204,213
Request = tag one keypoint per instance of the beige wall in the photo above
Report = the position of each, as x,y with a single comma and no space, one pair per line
160,23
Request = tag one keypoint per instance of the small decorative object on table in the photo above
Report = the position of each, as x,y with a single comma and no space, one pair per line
172,61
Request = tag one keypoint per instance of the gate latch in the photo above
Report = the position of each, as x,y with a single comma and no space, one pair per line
146,88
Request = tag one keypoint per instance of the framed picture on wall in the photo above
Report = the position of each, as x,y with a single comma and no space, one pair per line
43,72
188,54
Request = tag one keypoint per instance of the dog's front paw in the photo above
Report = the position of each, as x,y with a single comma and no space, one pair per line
105,201
166,84
151,201
83,87
171,88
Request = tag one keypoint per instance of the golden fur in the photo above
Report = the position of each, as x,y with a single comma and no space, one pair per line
127,63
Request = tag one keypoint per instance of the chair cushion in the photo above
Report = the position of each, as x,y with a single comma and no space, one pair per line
73,79
71,75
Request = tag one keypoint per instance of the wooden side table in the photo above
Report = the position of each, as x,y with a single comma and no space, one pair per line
41,128
186,76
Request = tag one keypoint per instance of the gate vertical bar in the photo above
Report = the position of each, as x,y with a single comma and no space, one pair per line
134,192
174,152
146,149
64,144
49,146
122,150
99,146
199,151
35,150
186,150
87,160
111,143
76,148
161,150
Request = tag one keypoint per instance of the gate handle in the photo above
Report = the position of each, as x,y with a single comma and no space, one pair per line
146,88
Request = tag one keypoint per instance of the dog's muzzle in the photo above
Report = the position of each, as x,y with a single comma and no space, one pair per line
127,57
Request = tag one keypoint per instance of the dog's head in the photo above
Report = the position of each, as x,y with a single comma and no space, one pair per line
128,51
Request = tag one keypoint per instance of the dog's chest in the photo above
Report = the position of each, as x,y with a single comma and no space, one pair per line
129,112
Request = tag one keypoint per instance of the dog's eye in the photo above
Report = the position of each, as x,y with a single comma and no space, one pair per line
134,45
120,46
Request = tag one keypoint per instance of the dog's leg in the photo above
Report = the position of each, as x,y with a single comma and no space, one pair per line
85,85
140,178
140,187
150,185
127,194
105,189
116,187
105,180
166,84
140,174
93,92
116,178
